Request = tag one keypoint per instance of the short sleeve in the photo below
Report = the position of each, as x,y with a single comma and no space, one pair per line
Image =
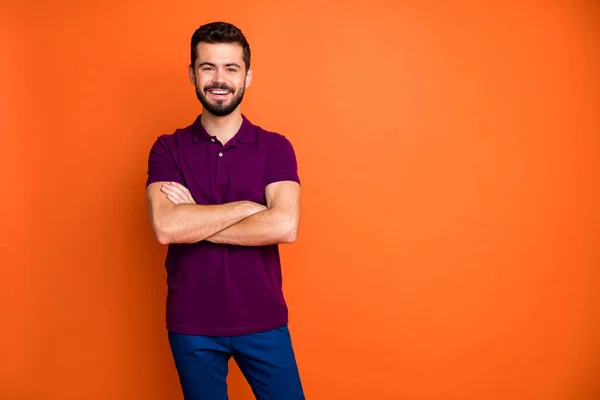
162,165
284,166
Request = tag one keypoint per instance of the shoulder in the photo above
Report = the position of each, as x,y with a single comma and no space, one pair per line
280,156
177,137
274,141
277,149
170,142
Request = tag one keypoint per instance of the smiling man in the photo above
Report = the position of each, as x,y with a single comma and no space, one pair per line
223,193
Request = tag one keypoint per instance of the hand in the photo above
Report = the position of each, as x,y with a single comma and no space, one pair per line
177,193
254,208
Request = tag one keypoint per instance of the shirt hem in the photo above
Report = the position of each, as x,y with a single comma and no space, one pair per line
194,330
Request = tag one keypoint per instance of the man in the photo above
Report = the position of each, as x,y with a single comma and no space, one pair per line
223,193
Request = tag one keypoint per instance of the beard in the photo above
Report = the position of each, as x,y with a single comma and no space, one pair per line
220,108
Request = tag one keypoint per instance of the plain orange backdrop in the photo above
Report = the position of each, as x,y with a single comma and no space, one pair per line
449,153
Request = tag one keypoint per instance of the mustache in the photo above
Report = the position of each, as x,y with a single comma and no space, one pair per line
218,86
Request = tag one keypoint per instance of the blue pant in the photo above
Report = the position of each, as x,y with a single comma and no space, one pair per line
266,359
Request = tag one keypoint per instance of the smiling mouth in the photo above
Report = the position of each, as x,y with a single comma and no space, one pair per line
219,92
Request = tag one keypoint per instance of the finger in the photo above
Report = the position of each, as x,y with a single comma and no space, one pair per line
179,192
173,199
183,191
176,190
173,195
177,197
178,185
169,191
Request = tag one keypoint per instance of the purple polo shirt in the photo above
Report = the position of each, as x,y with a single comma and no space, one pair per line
216,289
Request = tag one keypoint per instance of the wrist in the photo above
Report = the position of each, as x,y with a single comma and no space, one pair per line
250,208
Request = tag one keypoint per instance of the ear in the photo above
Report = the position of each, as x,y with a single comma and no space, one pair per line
249,77
192,75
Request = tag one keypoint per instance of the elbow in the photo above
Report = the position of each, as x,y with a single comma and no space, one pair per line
290,234
162,233
290,238
163,238
169,234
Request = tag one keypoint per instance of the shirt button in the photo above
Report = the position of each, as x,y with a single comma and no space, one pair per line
212,140
220,154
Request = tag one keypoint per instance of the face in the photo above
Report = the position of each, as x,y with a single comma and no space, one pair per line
220,77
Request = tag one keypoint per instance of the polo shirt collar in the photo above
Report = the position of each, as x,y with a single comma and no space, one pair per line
246,133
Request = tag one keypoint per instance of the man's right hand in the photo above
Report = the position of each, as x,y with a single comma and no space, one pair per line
254,208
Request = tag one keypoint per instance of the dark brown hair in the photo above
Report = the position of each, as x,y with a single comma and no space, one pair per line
219,32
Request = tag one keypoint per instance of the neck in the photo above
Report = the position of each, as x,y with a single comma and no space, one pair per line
224,128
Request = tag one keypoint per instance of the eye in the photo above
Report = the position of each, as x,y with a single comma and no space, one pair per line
207,69
231,70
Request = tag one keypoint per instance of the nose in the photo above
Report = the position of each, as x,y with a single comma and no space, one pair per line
218,76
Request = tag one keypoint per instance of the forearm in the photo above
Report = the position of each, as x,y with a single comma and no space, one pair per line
268,227
191,223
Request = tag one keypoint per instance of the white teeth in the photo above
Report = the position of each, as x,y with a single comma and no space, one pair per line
218,92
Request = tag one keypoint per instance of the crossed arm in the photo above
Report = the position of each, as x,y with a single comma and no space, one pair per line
175,218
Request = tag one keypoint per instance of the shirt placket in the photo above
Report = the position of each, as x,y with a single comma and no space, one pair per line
222,170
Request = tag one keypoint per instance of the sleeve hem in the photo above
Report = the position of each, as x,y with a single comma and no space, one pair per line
155,179
281,179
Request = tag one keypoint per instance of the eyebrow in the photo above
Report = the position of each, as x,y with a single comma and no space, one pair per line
213,65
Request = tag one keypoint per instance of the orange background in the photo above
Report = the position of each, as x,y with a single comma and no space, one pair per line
449,155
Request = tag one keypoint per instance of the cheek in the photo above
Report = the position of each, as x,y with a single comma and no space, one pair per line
202,83
240,83
203,80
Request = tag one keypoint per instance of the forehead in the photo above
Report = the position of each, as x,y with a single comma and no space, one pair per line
219,53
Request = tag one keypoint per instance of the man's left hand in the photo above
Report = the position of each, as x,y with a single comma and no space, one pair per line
177,193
